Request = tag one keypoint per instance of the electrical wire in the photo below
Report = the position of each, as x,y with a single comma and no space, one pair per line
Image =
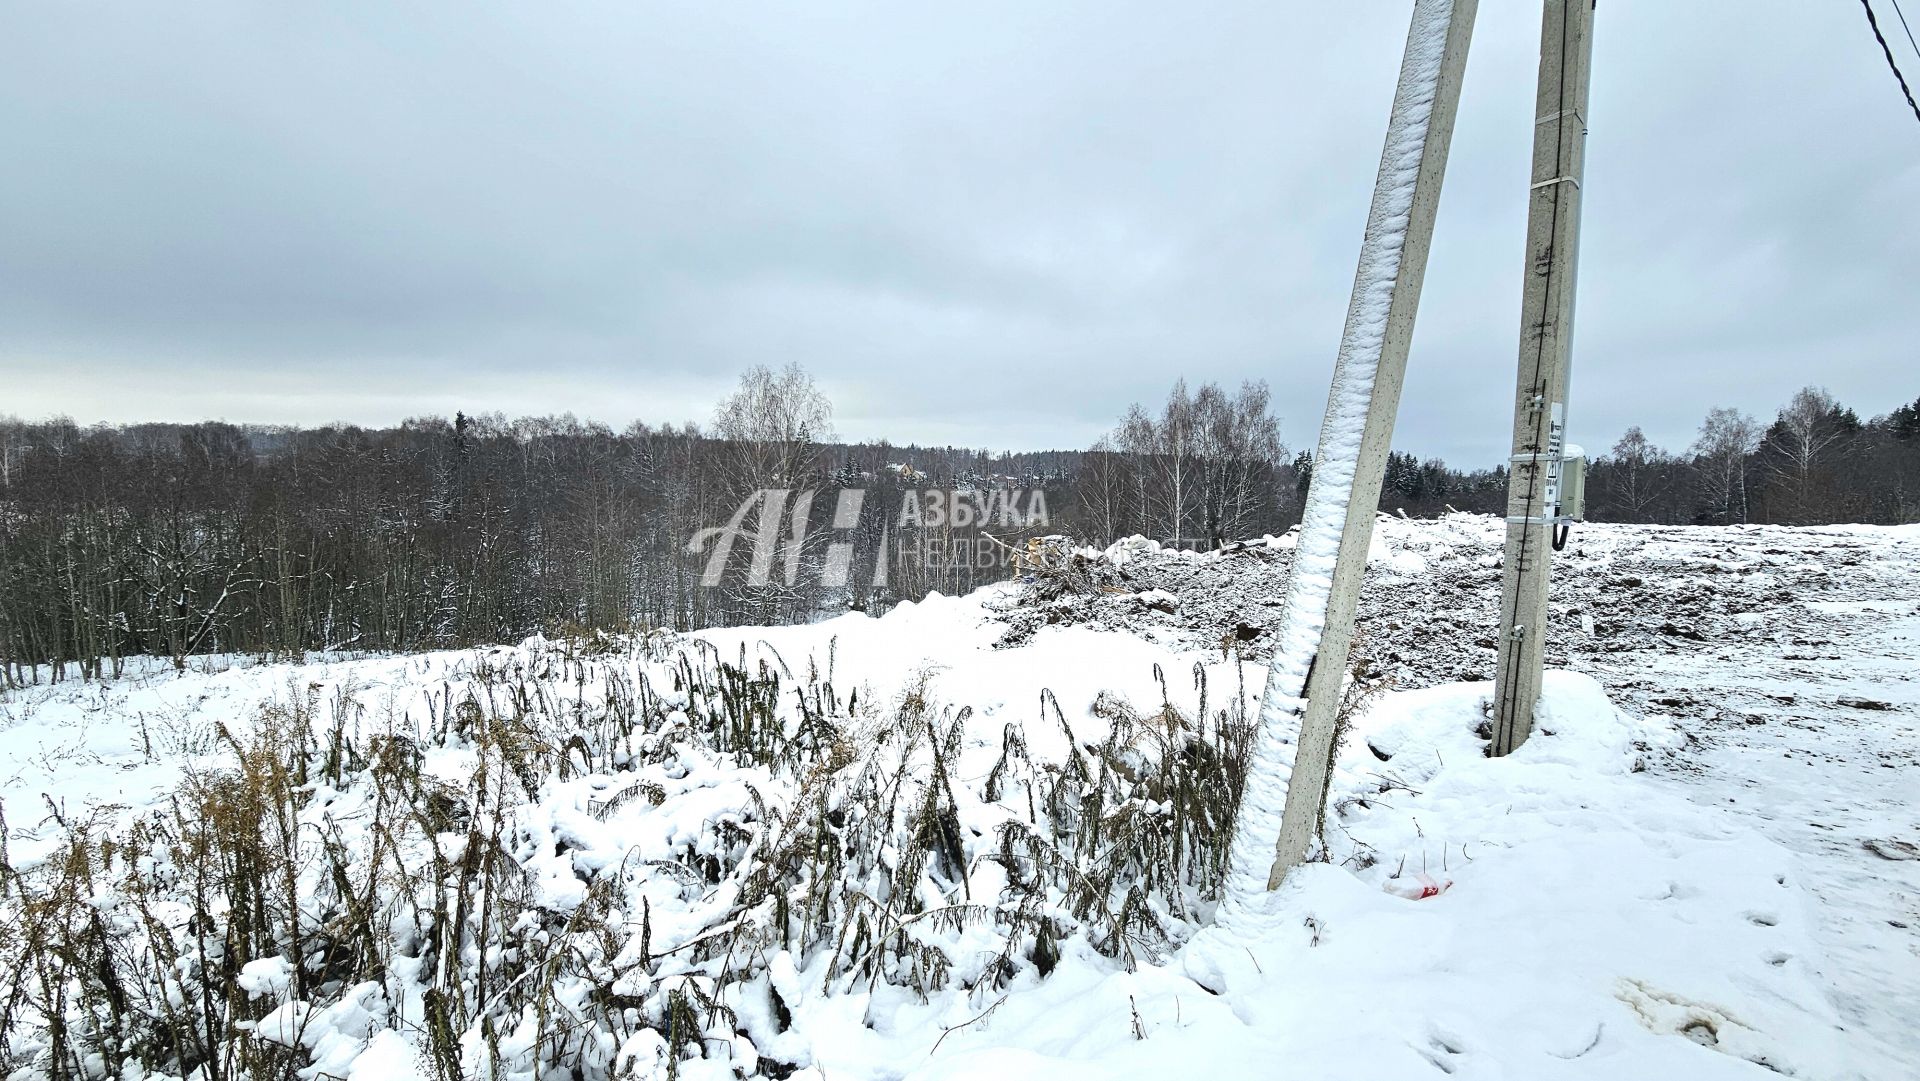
1888,50
1904,26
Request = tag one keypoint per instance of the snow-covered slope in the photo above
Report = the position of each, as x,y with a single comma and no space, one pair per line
1634,895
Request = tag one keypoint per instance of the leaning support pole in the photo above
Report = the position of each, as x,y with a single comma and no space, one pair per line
1546,346
1286,783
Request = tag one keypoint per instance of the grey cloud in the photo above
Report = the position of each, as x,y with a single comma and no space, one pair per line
989,223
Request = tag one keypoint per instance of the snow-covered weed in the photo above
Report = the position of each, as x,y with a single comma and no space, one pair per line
604,858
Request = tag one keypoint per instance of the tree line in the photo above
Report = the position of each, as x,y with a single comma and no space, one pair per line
1815,463
184,539
176,540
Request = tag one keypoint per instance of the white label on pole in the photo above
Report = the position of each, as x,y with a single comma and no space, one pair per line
1556,445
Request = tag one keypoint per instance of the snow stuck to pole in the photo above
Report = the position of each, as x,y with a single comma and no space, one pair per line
1349,404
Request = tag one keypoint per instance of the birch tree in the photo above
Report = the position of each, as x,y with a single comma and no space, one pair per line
1639,474
1810,429
1726,438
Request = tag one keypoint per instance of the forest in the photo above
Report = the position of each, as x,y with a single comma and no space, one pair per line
184,539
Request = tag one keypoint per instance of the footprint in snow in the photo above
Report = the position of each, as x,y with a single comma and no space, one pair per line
1703,1023
1441,1048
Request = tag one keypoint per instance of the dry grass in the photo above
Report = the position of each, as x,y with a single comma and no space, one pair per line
327,843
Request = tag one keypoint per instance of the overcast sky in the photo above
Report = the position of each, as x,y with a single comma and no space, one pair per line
992,224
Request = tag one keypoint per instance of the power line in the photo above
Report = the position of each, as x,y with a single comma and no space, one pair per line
1882,39
1904,26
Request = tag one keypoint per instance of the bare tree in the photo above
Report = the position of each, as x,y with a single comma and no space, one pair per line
1726,438
1639,475
13,443
1237,443
771,428
1172,462
774,424
1211,461
1136,438
1810,427
1103,484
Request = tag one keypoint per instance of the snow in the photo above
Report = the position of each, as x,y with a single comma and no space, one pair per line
389,1057
1579,898
1670,880
1341,431
1790,752
283,1024
266,976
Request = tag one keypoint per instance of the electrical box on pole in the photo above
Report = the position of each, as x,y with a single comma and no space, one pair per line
1573,485
1537,503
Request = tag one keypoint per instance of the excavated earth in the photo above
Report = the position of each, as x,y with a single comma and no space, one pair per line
1788,657
1432,595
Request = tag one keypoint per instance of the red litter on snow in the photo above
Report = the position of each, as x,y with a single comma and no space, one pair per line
1419,887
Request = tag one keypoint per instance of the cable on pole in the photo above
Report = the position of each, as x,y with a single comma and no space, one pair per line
1888,50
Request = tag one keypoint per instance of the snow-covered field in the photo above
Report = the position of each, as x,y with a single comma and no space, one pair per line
1702,865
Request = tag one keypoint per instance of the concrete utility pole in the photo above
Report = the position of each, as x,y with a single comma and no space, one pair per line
1546,342
1316,626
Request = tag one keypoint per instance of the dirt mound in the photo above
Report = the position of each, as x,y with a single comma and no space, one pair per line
1432,594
